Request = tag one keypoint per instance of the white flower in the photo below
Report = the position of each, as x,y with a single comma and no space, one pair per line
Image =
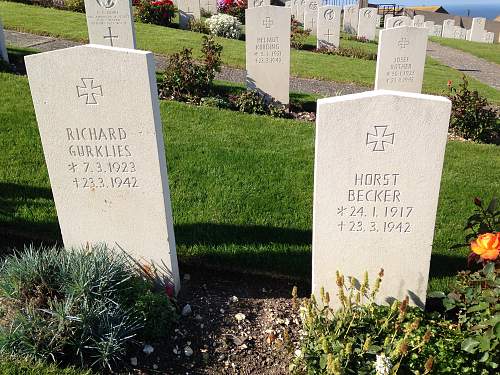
224,25
383,365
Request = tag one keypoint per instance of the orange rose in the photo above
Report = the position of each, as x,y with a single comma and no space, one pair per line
487,246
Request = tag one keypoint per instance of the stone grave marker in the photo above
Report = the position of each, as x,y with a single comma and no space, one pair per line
468,35
386,19
110,23
293,8
329,26
351,19
477,29
188,10
398,21
379,20
300,10
268,51
437,30
401,59
209,6
489,37
418,21
3,45
377,175
429,25
105,157
311,16
258,3
367,22
448,28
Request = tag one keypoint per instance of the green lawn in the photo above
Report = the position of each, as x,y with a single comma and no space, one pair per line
490,52
241,187
165,40
22,366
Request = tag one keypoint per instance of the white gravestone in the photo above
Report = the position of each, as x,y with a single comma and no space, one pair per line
429,25
376,184
386,19
329,26
293,8
110,23
311,16
300,10
209,6
3,46
105,157
477,29
437,30
351,19
188,10
401,59
489,37
366,23
268,51
467,35
398,21
448,28
418,21
258,3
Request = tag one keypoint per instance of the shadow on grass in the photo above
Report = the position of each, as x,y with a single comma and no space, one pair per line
16,58
446,265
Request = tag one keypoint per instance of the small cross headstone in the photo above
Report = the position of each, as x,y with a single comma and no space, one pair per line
3,46
448,28
378,162
300,9
437,30
429,25
329,26
477,29
418,21
209,6
398,22
105,157
188,10
489,37
351,19
268,51
258,3
110,23
367,23
401,59
311,16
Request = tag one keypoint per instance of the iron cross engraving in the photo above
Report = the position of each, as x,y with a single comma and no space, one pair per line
89,90
380,138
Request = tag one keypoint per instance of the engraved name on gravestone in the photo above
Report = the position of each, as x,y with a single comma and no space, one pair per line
105,157
401,59
376,184
311,16
268,51
366,23
477,29
110,23
398,22
3,46
188,10
351,19
418,21
448,28
329,26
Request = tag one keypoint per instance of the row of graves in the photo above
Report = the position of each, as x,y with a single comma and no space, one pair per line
378,154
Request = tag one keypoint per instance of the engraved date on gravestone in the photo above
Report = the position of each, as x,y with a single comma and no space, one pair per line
401,70
268,50
374,204
100,158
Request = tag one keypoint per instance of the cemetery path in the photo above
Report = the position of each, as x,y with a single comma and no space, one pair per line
302,85
484,71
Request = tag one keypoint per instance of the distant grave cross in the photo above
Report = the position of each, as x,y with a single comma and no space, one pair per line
403,42
110,36
379,138
312,22
328,35
268,22
89,90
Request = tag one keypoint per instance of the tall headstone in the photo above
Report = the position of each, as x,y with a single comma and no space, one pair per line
329,26
351,19
378,163
477,29
448,28
3,46
429,25
437,30
209,6
311,16
398,21
268,51
188,10
401,59
293,8
418,21
258,3
367,22
300,10
386,19
110,23
105,157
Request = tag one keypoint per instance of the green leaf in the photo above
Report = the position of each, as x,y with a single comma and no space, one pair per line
484,344
469,345
489,268
497,330
479,307
492,206
485,357
322,362
436,295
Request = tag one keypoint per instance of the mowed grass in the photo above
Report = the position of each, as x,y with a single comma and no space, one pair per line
490,52
166,40
241,187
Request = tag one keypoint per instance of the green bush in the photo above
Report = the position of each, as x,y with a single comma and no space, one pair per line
298,35
357,53
77,307
75,5
472,117
252,101
362,337
198,26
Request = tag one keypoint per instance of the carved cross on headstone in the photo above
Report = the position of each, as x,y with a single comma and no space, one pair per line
380,138
328,35
267,22
403,43
89,90
110,36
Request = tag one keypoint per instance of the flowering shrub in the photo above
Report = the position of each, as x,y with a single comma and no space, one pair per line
234,8
224,25
298,35
158,12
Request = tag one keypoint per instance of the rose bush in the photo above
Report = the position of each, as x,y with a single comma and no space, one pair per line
487,246
234,8
158,12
